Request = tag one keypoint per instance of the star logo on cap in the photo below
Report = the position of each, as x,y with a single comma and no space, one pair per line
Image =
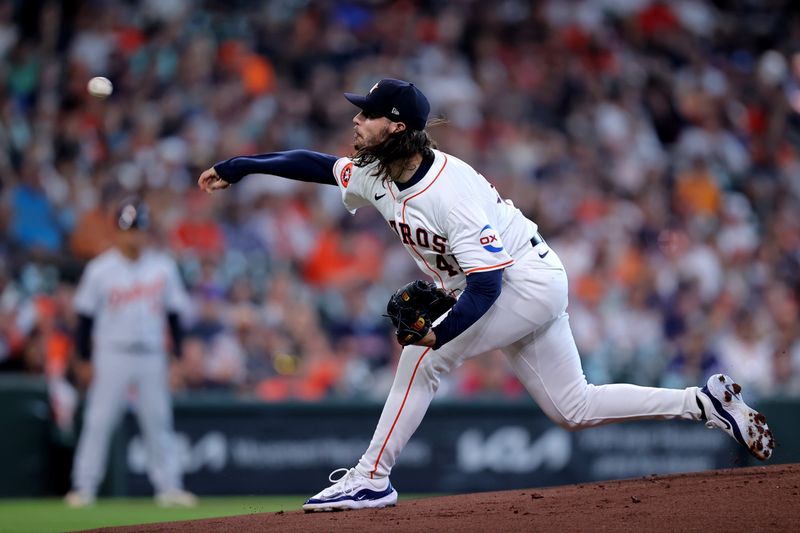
395,111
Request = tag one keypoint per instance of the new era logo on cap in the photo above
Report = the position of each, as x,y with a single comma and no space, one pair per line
389,96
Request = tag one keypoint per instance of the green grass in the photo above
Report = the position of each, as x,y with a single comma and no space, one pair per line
51,515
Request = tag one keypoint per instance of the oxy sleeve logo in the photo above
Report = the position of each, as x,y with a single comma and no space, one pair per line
490,240
347,172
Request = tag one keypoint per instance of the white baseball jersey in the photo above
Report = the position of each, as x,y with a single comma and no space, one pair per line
129,300
452,221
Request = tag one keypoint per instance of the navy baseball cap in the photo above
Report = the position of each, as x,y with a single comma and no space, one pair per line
133,214
397,100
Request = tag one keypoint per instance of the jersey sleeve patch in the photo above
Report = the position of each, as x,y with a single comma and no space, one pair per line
352,181
490,239
346,174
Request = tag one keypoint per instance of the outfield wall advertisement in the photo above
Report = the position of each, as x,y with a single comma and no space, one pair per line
238,449
230,446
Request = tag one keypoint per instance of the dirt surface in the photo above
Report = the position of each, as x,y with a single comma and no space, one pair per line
744,499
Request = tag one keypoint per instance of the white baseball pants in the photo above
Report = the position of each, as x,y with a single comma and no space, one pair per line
114,374
529,323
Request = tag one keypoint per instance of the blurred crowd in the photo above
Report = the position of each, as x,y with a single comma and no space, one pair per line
655,144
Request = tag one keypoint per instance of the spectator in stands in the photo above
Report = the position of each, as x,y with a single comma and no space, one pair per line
94,231
748,348
33,223
198,232
692,359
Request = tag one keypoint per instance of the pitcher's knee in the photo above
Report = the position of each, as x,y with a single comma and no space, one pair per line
570,413
570,423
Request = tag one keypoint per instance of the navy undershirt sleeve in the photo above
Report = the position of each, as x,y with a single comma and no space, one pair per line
301,165
482,290
83,337
176,334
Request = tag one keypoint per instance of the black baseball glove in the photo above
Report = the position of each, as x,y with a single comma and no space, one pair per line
414,306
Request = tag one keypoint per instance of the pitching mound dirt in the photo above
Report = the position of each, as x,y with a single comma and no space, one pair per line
745,499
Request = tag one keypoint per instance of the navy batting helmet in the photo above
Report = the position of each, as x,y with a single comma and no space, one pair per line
133,214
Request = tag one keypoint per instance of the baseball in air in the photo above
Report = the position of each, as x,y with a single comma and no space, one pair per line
100,87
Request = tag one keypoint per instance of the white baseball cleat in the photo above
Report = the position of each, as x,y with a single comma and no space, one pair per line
725,409
77,499
353,491
176,498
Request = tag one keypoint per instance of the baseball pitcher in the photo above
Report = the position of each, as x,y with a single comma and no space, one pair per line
511,288
126,300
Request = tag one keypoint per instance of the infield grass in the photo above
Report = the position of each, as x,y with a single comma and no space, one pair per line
51,515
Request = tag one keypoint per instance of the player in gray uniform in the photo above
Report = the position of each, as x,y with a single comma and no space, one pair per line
126,299
512,291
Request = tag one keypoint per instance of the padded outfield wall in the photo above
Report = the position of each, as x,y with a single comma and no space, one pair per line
235,446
